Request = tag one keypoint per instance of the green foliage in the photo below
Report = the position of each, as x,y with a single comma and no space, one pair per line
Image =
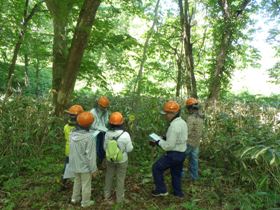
27,127
39,84
274,73
234,155
246,136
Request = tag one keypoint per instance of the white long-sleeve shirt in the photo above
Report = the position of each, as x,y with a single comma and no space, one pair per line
124,142
100,119
176,136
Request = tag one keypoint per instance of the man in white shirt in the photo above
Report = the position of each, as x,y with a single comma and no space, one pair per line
175,147
100,112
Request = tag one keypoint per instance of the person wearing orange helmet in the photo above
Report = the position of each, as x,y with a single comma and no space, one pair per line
117,168
175,147
195,124
73,111
100,111
82,159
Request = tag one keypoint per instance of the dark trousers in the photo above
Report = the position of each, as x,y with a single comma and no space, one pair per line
99,147
65,163
173,161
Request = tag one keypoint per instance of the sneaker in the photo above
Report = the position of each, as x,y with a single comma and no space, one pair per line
179,195
156,194
88,204
109,201
74,202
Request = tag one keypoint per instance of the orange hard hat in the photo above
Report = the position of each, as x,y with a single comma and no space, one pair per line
85,119
75,109
191,101
116,118
103,101
171,107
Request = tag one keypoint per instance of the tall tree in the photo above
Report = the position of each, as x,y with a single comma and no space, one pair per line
232,12
26,19
79,42
138,84
60,11
186,17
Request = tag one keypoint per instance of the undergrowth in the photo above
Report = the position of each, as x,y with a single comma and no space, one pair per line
239,161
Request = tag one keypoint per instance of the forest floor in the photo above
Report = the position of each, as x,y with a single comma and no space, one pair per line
39,188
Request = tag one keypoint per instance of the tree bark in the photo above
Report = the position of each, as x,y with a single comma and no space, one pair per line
185,18
180,71
60,11
26,65
26,19
37,78
138,83
215,83
226,41
79,42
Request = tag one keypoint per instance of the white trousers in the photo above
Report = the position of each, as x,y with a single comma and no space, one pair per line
82,188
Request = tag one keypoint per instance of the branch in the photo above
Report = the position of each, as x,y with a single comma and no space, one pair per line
25,10
34,9
224,6
242,7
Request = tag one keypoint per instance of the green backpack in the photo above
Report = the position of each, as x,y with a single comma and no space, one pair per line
113,152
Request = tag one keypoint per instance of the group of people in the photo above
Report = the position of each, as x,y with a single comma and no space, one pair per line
90,134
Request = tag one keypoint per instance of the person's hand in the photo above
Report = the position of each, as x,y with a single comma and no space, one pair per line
153,143
95,173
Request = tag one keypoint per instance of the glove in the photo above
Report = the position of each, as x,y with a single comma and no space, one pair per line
153,143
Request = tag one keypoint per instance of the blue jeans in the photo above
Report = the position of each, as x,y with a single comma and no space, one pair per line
173,161
192,154
99,147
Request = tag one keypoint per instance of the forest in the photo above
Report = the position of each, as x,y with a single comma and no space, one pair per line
140,54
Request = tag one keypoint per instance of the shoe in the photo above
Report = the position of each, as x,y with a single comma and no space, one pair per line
88,204
179,195
74,202
156,194
62,188
109,201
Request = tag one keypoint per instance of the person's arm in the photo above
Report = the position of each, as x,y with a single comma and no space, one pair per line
106,137
171,137
191,126
66,132
129,145
89,153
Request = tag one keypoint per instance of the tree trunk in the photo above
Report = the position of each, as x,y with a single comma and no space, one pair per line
226,41
179,75
26,65
59,54
37,78
138,83
215,83
60,11
26,19
185,18
79,42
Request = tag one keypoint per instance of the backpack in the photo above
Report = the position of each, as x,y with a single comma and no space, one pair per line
113,152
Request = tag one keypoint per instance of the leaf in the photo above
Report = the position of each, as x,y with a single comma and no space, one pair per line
246,151
244,165
262,151
273,159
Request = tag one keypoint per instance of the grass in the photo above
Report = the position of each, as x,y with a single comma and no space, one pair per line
40,189
32,159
